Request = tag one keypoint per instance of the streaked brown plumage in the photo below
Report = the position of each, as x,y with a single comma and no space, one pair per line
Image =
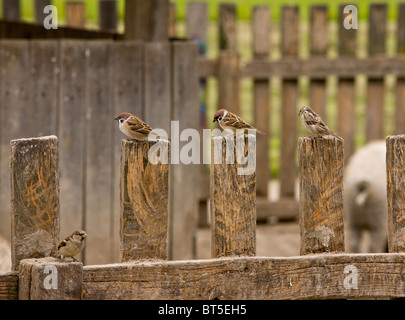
229,120
314,124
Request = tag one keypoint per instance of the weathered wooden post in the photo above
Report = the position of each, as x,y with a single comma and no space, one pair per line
34,165
233,196
321,194
396,192
144,199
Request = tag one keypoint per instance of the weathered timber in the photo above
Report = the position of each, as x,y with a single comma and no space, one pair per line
144,200
35,226
321,194
50,279
395,192
76,14
9,285
321,276
233,196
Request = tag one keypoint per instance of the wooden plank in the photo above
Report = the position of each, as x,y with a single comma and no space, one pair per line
229,81
72,134
400,86
11,10
395,192
157,85
261,96
172,20
75,14
321,195
196,21
9,285
185,109
99,153
333,276
15,97
147,20
39,10
144,201
227,27
50,279
346,87
289,48
233,196
318,47
108,15
375,89
34,166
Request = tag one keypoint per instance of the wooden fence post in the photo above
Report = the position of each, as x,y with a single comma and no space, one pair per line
321,194
400,87
144,201
233,197
50,279
35,225
395,192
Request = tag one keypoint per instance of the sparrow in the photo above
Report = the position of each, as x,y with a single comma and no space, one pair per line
134,127
230,121
314,123
72,245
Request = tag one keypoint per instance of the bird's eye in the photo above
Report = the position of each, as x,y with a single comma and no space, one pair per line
219,118
121,120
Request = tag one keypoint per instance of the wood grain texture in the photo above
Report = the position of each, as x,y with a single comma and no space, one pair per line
321,194
232,198
395,192
33,281
9,285
35,225
144,202
320,276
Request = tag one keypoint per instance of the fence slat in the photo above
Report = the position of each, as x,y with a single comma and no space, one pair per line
71,133
39,10
11,10
319,47
99,157
395,192
261,96
227,27
400,87
289,98
183,192
321,195
232,198
375,89
346,87
144,202
34,165
76,14
108,15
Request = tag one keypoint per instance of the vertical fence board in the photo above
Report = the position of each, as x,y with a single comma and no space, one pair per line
108,15
395,192
346,87
35,224
227,27
11,10
261,96
233,198
144,202
321,195
183,194
319,47
157,84
289,43
375,89
99,125
228,81
400,87
16,97
39,10
75,14
72,117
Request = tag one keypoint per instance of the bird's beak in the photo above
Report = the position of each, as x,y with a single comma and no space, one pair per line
84,235
116,118
214,120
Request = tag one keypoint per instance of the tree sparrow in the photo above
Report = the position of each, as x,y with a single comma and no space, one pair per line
230,121
72,245
134,127
314,123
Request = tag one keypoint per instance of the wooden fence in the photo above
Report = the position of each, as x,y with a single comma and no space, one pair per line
233,272
75,98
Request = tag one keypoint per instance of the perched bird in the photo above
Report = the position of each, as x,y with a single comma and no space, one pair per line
230,121
72,245
134,127
314,123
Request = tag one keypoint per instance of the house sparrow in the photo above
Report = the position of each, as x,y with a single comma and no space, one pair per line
314,123
230,121
72,245
134,127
